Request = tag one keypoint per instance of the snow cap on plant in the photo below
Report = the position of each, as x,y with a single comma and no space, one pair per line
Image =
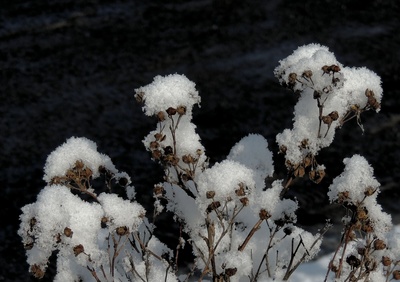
171,92
76,149
329,95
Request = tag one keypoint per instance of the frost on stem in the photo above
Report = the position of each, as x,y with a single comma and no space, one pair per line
329,95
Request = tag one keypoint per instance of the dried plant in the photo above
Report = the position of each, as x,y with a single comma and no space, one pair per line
238,228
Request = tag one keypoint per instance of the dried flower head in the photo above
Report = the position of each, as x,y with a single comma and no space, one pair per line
78,249
230,271
122,230
244,201
263,214
68,232
386,261
139,96
210,194
160,116
181,110
37,271
171,111
213,206
307,74
379,244
292,78
396,275
158,190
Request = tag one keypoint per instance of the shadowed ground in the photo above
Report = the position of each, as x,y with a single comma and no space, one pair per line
70,69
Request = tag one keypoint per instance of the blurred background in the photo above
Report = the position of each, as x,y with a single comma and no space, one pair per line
69,68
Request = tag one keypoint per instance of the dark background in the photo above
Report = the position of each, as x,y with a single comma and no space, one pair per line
69,68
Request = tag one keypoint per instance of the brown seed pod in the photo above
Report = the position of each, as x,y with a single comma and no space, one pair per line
353,261
78,249
68,232
156,154
362,213
171,159
210,194
161,116
316,175
367,227
307,161
343,197
230,271
263,214
282,149
396,275
335,68
159,137
369,93
181,110
37,271
304,143
158,190
240,191
369,191
292,78
373,103
213,206
139,96
307,74
104,221
326,69
244,201
316,94
334,115
154,145
122,230
379,244
171,111
299,171
79,165
326,119
187,159
386,261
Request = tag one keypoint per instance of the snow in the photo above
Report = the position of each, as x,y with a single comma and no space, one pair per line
168,91
75,149
324,87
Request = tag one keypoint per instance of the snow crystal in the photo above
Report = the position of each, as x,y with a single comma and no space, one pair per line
168,91
75,149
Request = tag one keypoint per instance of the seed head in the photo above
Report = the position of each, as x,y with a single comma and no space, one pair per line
37,271
386,261
396,275
210,194
68,232
181,110
379,244
122,230
171,111
292,78
263,214
230,271
244,201
78,249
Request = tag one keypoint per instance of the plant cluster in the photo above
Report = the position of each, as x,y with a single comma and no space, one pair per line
238,227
